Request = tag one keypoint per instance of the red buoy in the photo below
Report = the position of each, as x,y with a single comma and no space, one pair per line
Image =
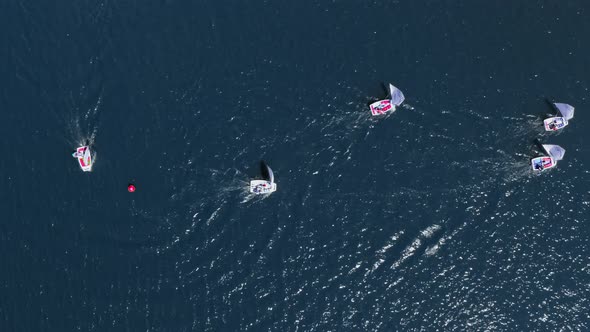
131,188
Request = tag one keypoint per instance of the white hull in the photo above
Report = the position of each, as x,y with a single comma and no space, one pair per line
542,163
260,187
555,123
84,156
382,107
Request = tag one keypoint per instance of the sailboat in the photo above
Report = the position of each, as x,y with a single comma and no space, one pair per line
84,157
396,98
265,186
554,154
558,122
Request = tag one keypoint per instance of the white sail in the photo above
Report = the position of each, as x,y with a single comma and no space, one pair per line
397,97
87,154
271,176
554,151
567,111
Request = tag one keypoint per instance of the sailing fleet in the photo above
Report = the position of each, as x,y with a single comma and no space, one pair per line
553,153
266,185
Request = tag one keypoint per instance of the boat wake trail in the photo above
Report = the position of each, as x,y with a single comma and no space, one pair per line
81,128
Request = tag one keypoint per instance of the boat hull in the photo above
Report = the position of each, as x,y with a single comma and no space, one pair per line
554,124
84,157
542,163
382,107
260,187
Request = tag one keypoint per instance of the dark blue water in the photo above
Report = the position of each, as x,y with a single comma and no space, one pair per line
428,219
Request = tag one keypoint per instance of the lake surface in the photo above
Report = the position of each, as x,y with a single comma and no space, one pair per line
427,219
